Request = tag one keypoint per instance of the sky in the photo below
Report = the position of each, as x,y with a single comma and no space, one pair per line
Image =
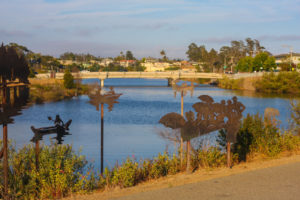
106,27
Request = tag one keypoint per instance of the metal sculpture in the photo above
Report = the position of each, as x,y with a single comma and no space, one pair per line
210,117
60,129
182,89
99,97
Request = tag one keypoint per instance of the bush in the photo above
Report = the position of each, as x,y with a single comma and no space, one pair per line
60,172
207,158
257,136
68,80
284,82
233,84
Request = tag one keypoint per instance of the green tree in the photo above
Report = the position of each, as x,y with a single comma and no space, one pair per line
245,64
68,80
129,55
263,61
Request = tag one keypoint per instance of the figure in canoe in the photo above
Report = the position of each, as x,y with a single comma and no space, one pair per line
60,128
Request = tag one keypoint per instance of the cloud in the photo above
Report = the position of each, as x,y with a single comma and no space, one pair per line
280,38
14,33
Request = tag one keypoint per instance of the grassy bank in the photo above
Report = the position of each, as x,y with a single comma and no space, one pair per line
47,90
62,171
270,83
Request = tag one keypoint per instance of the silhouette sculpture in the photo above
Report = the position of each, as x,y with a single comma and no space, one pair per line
99,97
183,89
60,128
210,117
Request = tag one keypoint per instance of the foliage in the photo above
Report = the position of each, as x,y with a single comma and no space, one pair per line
113,68
53,91
283,82
227,83
68,80
261,61
173,68
207,158
129,55
257,136
13,65
295,116
227,55
60,172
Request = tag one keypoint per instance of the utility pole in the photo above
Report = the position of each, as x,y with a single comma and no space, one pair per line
291,53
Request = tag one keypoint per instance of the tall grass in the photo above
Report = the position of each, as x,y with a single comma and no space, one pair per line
283,82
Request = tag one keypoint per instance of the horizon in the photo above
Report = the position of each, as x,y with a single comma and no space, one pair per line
104,29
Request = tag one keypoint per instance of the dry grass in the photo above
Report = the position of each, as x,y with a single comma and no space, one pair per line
198,176
51,81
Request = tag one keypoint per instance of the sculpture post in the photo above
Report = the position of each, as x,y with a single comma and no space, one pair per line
37,152
102,135
181,140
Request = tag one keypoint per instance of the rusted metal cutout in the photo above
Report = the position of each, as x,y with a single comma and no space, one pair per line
99,97
210,117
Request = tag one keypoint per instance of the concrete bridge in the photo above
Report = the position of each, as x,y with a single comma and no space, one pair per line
153,75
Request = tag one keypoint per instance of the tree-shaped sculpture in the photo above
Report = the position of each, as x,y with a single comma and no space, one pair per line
210,117
99,97
182,89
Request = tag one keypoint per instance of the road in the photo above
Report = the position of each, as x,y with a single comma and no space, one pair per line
281,182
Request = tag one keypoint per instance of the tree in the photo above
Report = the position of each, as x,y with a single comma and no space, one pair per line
263,61
250,47
163,54
245,64
129,55
68,80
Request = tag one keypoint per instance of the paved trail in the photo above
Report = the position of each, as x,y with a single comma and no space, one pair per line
281,182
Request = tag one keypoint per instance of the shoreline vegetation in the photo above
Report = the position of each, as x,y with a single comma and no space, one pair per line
62,172
269,83
50,90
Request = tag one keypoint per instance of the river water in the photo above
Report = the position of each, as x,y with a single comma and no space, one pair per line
131,129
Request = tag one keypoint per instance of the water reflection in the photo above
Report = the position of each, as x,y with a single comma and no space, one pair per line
98,96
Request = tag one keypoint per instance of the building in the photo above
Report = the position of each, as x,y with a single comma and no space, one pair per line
287,58
106,61
155,66
127,63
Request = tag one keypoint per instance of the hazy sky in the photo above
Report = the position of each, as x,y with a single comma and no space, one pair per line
106,27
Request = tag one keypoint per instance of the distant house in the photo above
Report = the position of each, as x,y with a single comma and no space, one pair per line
68,62
286,58
105,62
155,66
127,63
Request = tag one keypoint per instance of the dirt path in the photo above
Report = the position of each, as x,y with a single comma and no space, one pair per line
271,179
281,182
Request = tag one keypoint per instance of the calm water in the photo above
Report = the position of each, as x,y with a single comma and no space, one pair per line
131,129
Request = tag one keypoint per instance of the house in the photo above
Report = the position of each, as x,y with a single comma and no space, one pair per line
155,66
106,61
287,58
127,63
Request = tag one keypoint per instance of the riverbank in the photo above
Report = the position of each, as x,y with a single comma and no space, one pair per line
49,90
182,179
269,83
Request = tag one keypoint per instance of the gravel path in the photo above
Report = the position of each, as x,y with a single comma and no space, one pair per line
281,182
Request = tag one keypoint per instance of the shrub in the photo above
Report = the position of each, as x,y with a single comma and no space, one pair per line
210,157
284,82
126,174
60,172
227,83
68,80
257,136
